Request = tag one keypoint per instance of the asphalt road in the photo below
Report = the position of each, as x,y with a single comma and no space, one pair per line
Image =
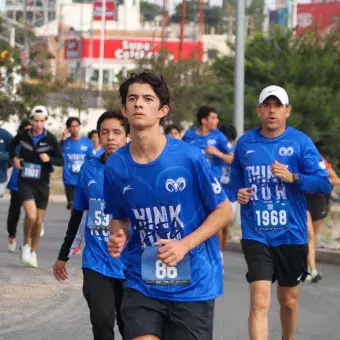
34,306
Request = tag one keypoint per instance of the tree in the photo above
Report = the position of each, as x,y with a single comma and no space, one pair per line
308,67
255,9
149,10
191,84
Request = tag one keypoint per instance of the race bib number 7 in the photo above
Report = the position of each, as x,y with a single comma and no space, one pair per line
155,271
270,216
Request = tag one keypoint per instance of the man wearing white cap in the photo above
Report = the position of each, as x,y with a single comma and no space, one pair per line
273,167
39,151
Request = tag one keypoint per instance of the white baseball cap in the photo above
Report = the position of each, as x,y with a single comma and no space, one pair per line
39,110
275,91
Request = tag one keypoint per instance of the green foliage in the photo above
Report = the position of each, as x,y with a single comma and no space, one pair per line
149,10
308,67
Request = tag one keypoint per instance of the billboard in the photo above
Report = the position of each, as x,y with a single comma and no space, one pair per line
134,49
72,48
110,12
320,16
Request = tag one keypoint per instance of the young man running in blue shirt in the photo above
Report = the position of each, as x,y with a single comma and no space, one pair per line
103,275
212,142
167,208
273,167
76,150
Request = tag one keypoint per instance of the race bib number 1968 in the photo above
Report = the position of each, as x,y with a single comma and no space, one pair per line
271,216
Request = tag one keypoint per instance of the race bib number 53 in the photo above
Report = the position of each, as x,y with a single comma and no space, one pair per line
97,218
155,271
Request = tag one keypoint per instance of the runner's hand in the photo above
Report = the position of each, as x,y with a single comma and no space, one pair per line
281,171
211,150
116,243
16,163
172,251
45,157
66,133
60,270
244,195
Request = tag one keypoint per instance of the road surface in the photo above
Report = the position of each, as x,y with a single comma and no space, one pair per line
34,306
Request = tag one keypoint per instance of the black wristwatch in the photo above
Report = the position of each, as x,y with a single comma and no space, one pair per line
296,178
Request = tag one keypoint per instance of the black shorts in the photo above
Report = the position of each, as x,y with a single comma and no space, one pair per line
285,263
39,193
318,206
70,191
168,320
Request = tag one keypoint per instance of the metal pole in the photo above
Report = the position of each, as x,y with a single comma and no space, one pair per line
26,44
102,43
181,38
238,118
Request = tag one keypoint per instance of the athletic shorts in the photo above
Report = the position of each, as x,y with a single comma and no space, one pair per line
168,320
285,263
70,191
318,206
38,193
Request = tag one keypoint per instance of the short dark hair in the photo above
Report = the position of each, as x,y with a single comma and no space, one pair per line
23,124
171,127
71,120
229,131
157,82
112,114
91,133
203,112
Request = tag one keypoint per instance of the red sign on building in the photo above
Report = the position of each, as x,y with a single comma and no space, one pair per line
320,16
110,12
134,49
72,49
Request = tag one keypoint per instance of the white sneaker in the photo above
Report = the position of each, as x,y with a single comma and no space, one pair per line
12,245
42,232
25,254
33,261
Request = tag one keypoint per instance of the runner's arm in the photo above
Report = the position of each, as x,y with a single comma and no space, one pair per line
333,177
12,150
314,176
71,233
216,221
227,157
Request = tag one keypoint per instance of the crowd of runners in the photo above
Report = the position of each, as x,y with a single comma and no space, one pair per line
153,211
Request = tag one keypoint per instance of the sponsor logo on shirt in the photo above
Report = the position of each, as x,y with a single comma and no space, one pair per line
211,142
42,144
322,165
2,141
286,151
91,182
125,189
249,151
175,185
83,148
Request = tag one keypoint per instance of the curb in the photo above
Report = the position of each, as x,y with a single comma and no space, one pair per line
322,255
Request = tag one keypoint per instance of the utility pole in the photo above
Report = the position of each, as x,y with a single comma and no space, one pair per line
238,118
164,21
181,39
101,52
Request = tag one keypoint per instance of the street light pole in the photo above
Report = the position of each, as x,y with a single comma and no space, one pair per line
238,118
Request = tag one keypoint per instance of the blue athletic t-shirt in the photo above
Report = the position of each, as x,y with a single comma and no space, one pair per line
215,138
168,198
276,213
89,197
75,152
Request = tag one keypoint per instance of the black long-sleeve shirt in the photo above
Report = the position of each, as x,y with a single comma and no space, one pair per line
31,153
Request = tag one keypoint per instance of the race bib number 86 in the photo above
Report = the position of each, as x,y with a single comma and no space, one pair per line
155,271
